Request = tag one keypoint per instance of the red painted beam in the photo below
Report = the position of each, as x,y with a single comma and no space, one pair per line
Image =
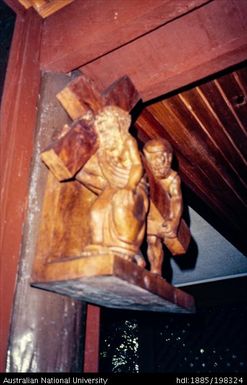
200,43
16,7
91,29
91,349
18,119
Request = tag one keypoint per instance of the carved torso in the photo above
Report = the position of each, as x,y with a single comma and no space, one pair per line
115,167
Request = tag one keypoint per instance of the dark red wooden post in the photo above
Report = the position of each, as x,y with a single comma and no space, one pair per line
92,339
18,120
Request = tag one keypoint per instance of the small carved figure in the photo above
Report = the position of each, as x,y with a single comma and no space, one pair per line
163,222
114,173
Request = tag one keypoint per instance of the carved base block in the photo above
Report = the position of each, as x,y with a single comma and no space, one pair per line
179,245
113,282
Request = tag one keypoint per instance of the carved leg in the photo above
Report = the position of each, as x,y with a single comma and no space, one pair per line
140,260
126,221
97,215
155,254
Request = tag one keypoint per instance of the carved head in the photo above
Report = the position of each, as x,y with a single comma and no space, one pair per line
112,125
158,153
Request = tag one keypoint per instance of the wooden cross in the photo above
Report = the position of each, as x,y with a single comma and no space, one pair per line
65,157
59,264
69,154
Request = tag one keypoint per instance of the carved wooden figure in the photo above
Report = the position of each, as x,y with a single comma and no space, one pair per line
103,198
165,223
101,154
83,101
114,173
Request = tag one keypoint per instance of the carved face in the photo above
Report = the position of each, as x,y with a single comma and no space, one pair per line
109,133
160,163
109,126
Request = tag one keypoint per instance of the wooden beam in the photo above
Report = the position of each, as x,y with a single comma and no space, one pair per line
205,166
18,8
91,349
94,28
57,320
26,3
18,118
46,8
209,169
202,42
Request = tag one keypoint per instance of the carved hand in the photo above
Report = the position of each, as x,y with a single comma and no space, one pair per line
169,230
127,196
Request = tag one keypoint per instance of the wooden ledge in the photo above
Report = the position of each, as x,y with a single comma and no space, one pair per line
114,282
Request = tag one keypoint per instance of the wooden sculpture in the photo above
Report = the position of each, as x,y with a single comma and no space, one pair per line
94,222
114,173
78,142
98,151
164,222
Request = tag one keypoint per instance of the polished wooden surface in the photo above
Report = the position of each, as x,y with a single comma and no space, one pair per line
92,340
45,8
82,95
40,316
107,26
18,119
79,141
114,282
68,154
84,228
25,3
207,126
99,146
218,30
164,219
204,41
79,96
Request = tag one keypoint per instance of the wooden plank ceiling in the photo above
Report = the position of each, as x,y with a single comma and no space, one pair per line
207,127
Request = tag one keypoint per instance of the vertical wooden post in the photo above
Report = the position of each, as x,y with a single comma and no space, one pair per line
46,330
92,339
18,118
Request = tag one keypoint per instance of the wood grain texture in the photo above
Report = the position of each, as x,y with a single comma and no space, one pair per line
26,3
92,340
40,316
165,59
80,140
122,93
79,96
106,25
112,281
180,244
82,95
157,195
64,229
206,126
46,8
69,154
177,245
164,220
18,119
169,58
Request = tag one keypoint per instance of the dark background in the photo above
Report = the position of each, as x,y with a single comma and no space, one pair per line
213,340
